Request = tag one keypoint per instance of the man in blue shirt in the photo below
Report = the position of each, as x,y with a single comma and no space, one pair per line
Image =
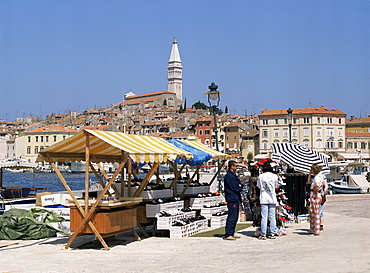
233,187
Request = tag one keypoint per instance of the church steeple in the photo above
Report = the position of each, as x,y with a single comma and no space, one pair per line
175,71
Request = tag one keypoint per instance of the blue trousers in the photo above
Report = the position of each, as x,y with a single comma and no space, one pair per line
268,212
232,218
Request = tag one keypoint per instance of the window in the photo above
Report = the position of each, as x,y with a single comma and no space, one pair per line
207,124
285,132
265,145
29,139
363,145
329,120
318,120
306,143
55,138
340,120
41,138
318,132
276,133
28,150
234,137
306,132
329,144
285,121
329,132
319,144
36,149
340,132
277,121
227,137
294,120
207,132
340,144
37,139
355,145
264,133
349,145
294,132
64,137
46,138
306,120
265,122
200,132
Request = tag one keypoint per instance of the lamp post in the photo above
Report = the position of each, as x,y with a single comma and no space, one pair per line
214,101
290,118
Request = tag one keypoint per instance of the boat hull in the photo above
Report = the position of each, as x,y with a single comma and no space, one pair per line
22,203
346,190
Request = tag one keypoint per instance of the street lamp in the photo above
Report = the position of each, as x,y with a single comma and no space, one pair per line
214,101
290,118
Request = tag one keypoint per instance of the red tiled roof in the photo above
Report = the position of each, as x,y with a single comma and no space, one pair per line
357,134
358,120
53,128
138,101
148,94
314,110
100,127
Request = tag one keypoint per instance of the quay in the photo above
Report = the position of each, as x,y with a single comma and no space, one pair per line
342,247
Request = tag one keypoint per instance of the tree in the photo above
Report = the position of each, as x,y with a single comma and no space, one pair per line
185,106
200,105
249,156
181,110
226,110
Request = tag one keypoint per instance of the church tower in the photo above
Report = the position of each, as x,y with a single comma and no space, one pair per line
175,71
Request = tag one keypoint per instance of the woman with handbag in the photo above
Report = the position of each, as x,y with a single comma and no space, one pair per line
316,190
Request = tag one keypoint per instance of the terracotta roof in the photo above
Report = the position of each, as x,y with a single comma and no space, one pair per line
233,124
160,135
148,94
53,128
209,118
138,101
314,110
100,127
358,120
357,134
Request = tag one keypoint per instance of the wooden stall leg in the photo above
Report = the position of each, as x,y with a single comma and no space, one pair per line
135,234
142,230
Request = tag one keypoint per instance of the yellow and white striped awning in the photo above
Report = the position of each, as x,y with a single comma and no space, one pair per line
215,154
107,146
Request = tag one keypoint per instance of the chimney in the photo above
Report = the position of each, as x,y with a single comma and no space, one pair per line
352,117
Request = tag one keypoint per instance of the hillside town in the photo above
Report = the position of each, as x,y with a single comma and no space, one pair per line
165,114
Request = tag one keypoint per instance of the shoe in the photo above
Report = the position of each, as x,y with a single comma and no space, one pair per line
272,236
230,238
236,236
310,233
321,227
262,237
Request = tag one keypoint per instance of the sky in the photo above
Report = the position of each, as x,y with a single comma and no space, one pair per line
60,56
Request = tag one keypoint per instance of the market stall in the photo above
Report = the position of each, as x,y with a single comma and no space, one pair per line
93,147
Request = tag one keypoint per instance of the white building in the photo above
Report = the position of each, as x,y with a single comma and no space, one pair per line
319,128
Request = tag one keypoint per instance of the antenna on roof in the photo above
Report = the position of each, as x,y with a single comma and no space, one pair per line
309,103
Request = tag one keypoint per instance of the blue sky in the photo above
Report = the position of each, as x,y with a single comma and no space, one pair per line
57,56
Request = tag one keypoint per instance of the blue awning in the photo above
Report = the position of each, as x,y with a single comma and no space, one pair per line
199,156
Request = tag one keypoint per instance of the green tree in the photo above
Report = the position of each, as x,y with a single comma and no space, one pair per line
226,110
200,105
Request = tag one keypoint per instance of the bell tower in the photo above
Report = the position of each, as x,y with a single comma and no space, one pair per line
175,71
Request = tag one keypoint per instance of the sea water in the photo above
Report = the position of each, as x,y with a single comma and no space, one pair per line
50,181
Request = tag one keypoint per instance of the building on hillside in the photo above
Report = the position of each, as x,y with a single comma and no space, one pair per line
358,124
204,133
249,144
358,144
232,137
319,128
32,142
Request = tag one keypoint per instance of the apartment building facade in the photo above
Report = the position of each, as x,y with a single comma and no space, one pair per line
319,128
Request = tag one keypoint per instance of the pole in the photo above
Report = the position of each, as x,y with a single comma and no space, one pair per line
217,148
290,132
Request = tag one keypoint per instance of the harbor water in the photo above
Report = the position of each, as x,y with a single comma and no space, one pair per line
50,181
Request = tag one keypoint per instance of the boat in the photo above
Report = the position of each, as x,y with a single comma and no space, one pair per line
350,184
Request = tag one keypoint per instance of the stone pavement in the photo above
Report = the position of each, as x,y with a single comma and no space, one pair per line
343,247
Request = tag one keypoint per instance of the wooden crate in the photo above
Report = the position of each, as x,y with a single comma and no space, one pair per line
106,221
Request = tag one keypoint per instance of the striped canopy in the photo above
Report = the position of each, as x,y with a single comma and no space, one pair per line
300,157
215,154
107,146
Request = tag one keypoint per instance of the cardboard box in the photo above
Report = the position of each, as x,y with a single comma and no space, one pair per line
38,198
54,199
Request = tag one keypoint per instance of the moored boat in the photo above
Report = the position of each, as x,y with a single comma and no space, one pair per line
350,184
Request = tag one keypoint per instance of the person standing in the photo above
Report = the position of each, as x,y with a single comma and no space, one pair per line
267,183
316,188
233,187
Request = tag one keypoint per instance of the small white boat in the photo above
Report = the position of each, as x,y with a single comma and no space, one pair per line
350,184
